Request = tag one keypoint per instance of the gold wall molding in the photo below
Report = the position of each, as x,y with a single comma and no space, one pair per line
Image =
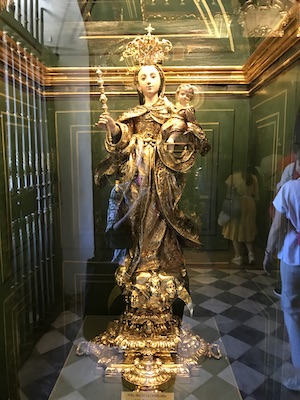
274,55
271,57
78,81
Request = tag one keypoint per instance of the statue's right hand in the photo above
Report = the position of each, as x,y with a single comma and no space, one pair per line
108,123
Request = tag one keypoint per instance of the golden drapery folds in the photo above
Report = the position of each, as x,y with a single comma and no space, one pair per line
152,171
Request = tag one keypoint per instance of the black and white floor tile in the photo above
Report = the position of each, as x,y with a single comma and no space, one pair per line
235,308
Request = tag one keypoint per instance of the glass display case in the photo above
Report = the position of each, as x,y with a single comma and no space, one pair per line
63,66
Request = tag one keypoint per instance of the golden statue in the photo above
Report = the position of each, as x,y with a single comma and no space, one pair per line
150,147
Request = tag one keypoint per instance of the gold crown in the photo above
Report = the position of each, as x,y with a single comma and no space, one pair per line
147,49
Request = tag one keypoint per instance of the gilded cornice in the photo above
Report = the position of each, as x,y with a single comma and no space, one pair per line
275,53
273,56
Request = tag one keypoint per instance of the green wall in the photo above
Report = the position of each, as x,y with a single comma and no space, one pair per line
273,111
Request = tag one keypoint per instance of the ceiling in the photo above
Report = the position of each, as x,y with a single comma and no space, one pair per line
203,32
223,45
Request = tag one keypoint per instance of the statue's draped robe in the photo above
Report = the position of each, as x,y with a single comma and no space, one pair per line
152,182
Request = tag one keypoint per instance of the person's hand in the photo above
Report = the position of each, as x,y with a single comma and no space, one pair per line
268,262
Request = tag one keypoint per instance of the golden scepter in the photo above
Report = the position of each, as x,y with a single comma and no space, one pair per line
103,98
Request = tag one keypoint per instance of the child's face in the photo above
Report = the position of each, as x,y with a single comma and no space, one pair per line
184,96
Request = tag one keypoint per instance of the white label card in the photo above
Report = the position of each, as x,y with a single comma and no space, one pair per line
147,396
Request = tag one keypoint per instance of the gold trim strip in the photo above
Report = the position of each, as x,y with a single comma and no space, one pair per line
96,94
262,66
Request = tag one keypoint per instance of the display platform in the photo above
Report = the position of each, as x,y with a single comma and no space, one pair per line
79,379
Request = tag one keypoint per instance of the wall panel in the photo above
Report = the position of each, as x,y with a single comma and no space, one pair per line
273,122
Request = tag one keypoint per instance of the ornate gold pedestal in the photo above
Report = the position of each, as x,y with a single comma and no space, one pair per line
148,346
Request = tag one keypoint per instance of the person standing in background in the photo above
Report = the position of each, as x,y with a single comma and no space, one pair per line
290,172
284,239
243,230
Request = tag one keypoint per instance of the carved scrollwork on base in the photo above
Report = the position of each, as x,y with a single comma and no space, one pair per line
148,346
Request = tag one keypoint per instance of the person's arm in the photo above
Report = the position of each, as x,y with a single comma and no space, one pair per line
286,176
277,229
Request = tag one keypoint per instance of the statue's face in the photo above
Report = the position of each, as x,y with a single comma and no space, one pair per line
149,80
184,96
134,299
154,285
171,288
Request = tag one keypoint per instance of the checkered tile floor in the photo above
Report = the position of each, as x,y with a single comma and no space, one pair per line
235,308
